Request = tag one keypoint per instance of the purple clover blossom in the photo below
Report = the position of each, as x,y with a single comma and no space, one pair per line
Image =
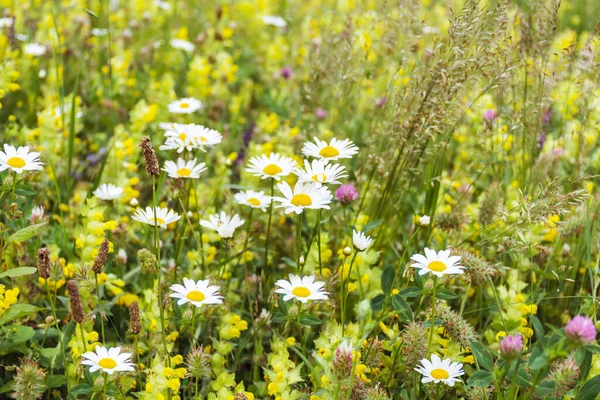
320,113
490,115
581,329
510,346
346,194
286,72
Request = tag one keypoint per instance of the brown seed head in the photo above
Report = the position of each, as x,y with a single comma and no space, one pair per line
101,257
152,167
43,262
75,301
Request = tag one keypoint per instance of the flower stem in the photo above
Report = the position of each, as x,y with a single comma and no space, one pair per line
319,241
158,274
101,309
299,242
345,291
60,339
435,278
269,225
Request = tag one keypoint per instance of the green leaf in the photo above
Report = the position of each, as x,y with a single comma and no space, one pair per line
49,352
482,355
25,233
445,294
91,13
411,291
377,302
82,388
15,335
16,311
278,317
25,190
19,271
371,225
537,359
309,319
387,278
590,390
537,327
545,388
480,379
53,381
402,308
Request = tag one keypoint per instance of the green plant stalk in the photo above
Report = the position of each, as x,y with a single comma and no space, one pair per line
60,341
158,274
319,240
435,279
299,242
101,308
82,337
269,227
345,292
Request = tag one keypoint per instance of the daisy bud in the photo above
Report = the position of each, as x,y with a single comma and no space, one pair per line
302,260
135,321
101,257
152,167
510,346
424,220
75,301
43,262
347,251
581,329
122,256
134,202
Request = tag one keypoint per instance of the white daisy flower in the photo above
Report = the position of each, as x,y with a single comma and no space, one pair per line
197,293
438,370
109,361
439,264
184,169
253,199
6,22
187,105
335,150
20,159
108,192
361,241
274,20
181,44
34,49
303,289
189,136
223,224
163,5
321,172
99,32
273,166
164,216
304,195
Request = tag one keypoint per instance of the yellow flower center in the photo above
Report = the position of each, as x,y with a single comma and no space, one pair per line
301,291
437,266
202,139
184,105
182,136
272,169
184,172
254,202
302,200
195,295
329,152
107,363
319,178
439,373
158,221
16,162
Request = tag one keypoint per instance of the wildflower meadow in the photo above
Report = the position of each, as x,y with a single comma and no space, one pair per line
299,200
